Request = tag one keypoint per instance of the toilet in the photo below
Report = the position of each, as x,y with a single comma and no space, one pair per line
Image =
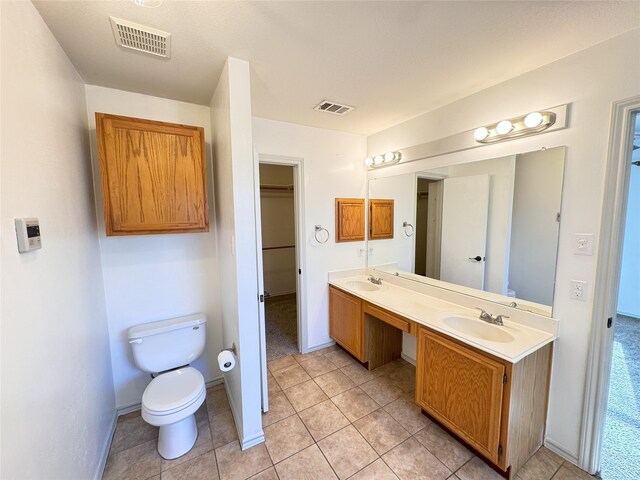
170,401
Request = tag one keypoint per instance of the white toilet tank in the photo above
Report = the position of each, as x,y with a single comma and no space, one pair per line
160,346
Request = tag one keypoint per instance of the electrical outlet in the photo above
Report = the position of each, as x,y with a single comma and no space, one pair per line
578,290
583,244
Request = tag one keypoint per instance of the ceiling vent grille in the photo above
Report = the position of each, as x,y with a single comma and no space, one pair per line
141,38
333,107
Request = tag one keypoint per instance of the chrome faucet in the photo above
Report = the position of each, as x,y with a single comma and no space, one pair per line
374,280
487,317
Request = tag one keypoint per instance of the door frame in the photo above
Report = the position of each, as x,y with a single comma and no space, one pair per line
607,281
425,175
299,219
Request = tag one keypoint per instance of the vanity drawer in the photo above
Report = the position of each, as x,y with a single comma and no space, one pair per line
388,317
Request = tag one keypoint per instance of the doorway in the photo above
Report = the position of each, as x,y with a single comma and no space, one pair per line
620,455
428,227
279,259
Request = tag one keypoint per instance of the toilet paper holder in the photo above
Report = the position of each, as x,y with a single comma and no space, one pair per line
232,349
226,361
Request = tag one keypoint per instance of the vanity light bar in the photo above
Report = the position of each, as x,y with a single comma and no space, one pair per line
529,124
383,160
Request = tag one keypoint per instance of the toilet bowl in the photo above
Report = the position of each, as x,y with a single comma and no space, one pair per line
172,398
170,402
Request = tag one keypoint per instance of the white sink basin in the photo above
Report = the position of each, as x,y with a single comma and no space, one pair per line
479,329
362,285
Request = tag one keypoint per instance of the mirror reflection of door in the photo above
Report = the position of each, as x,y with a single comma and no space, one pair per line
465,211
428,227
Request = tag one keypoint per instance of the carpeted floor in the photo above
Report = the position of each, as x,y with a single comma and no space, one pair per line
281,322
621,446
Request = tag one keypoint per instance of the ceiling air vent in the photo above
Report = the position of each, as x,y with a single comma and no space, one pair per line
333,107
139,37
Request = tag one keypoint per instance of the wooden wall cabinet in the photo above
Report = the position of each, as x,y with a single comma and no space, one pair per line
496,407
153,176
349,219
346,322
380,219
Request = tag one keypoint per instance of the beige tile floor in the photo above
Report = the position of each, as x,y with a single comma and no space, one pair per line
329,418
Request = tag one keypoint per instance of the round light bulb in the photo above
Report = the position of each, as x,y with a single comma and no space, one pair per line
378,159
480,133
148,3
389,157
532,120
368,161
503,127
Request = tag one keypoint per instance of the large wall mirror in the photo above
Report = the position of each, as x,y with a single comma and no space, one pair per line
487,228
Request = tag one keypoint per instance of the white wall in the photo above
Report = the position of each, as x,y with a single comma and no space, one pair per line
58,406
333,167
629,299
236,233
155,277
534,230
590,80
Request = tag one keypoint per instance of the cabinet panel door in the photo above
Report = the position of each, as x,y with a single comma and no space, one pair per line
345,322
462,389
380,219
349,219
153,176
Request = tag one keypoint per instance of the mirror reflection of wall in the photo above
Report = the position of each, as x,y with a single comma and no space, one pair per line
490,225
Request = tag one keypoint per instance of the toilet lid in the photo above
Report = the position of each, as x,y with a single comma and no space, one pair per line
172,390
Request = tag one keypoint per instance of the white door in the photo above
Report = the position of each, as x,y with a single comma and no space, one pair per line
261,317
465,210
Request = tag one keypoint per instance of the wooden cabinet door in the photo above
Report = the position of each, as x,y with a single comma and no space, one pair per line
349,219
153,176
346,325
380,219
462,389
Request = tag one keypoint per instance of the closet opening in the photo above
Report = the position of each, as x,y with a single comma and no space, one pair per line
279,259
620,456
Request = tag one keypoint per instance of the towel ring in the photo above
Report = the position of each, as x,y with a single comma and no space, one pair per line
406,225
316,234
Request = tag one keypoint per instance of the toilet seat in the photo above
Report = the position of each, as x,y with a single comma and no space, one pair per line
176,392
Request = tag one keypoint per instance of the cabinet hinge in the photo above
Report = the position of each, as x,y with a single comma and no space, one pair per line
499,449
504,379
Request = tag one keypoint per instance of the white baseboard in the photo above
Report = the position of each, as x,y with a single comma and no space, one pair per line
251,442
106,447
319,347
555,448
409,359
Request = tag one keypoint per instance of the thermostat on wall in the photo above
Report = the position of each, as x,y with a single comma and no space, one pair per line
28,233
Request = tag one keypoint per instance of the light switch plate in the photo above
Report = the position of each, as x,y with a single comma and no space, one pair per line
583,243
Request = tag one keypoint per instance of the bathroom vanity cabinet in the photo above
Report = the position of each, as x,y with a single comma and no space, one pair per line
346,323
153,176
496,407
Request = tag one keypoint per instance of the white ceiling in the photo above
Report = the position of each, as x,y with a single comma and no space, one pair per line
392,60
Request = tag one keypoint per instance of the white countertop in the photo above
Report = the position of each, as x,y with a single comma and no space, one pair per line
431,312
